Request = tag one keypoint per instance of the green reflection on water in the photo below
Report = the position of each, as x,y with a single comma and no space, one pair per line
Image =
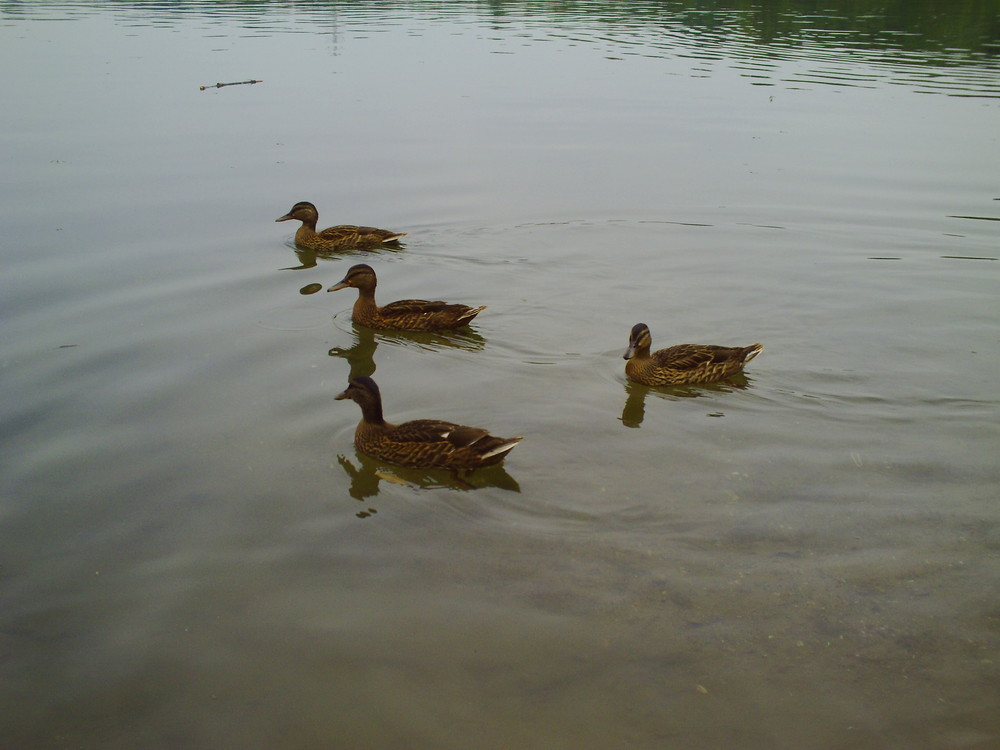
969,26
852,44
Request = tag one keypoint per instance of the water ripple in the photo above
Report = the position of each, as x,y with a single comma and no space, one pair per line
953,54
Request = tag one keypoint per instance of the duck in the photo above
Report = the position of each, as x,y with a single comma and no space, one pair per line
421,443
683,364
341,237
405,315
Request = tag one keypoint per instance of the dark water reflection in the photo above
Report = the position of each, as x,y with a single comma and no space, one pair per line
636,394
367,476
309,258
361,353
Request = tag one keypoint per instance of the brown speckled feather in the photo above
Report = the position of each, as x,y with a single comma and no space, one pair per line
346,236
407,314
428,443
343,236
683,364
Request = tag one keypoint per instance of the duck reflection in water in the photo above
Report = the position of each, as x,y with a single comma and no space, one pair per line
361,354
635,395
310,257
465,339
367,477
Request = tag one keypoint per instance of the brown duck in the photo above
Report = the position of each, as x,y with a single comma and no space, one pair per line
342,237
422,443
407,314
684,364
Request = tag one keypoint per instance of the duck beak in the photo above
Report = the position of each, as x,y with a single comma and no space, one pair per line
342,284
286,217
630,352
341,396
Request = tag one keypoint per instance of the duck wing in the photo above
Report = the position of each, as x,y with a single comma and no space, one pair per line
692,356
356,234
424,431
457,436
417,306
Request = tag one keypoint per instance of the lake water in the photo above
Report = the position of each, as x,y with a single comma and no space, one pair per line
193,555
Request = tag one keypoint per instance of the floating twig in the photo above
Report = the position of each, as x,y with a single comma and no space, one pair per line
220,85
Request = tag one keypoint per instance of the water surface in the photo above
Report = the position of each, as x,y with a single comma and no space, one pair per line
192,554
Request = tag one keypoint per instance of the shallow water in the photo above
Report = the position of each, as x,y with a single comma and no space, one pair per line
192,554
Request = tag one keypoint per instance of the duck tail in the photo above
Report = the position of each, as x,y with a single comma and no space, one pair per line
467,317
502,448
752,351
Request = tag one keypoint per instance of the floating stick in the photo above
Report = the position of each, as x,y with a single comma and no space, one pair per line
220,85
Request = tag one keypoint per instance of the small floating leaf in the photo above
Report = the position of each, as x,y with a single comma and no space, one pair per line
310,288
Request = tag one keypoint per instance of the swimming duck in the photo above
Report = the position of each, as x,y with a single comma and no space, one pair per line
684,364
406,314
344,236
422,443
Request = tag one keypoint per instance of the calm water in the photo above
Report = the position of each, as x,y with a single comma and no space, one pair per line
192,554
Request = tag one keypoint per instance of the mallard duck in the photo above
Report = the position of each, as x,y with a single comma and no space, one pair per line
407,314
684,364
344,236
422,443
